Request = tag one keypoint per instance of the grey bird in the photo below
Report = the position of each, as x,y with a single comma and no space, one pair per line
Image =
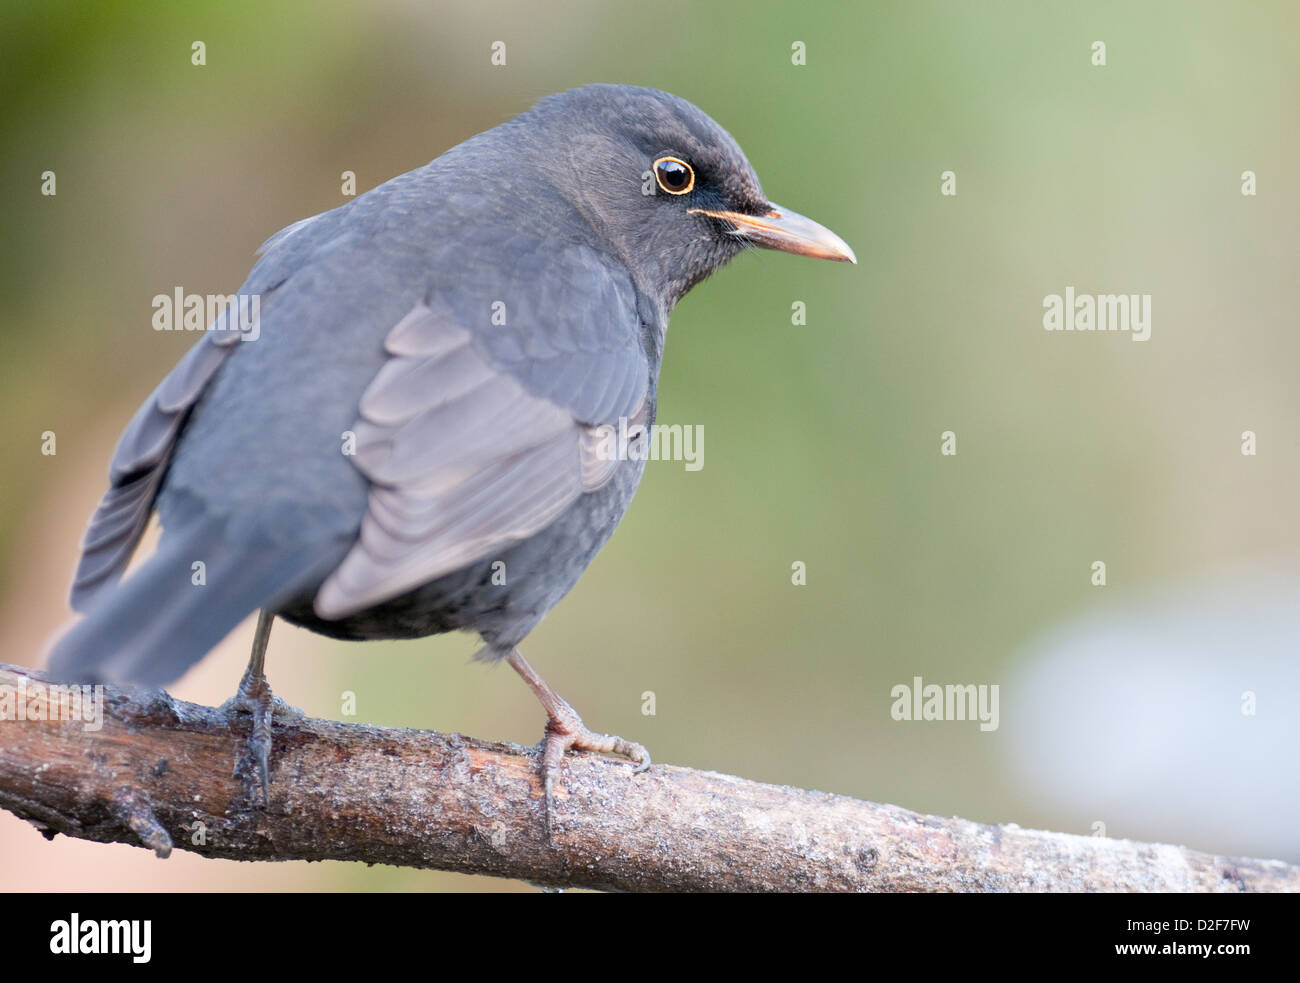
410,436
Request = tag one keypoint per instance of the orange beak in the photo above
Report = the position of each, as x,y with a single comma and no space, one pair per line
787,231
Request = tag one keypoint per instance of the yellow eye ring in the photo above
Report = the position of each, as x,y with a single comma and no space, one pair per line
675,176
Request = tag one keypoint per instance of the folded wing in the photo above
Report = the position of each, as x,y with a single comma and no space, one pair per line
464,461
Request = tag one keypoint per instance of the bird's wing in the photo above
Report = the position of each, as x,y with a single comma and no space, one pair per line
138,465
467,454
145,447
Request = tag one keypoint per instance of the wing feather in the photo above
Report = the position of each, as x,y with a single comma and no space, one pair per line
464,461
137,468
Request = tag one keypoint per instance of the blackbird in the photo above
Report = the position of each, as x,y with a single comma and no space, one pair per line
407,439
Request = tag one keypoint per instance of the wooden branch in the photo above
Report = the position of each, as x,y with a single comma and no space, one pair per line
161,773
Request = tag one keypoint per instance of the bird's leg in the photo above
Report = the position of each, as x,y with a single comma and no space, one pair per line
565,730
254,695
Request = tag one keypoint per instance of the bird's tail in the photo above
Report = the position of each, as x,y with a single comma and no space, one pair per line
153,626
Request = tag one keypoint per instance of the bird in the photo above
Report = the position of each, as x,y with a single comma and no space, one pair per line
408,439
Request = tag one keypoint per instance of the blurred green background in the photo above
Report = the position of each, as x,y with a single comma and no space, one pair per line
822,441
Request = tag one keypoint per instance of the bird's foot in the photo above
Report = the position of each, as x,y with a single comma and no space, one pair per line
254,697
565,731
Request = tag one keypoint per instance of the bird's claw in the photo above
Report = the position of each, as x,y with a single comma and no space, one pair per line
254,697
565,731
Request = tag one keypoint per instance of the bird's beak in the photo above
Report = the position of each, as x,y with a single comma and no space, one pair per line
787,231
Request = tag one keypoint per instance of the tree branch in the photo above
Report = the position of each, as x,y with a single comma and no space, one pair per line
162,773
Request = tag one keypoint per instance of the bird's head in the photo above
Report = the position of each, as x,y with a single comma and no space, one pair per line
667,188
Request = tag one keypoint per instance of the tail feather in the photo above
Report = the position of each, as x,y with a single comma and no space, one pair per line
152,627
141,458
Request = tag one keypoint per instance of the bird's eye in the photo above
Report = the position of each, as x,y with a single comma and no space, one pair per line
674,176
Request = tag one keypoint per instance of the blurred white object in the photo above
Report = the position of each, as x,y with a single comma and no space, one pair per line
1170,715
